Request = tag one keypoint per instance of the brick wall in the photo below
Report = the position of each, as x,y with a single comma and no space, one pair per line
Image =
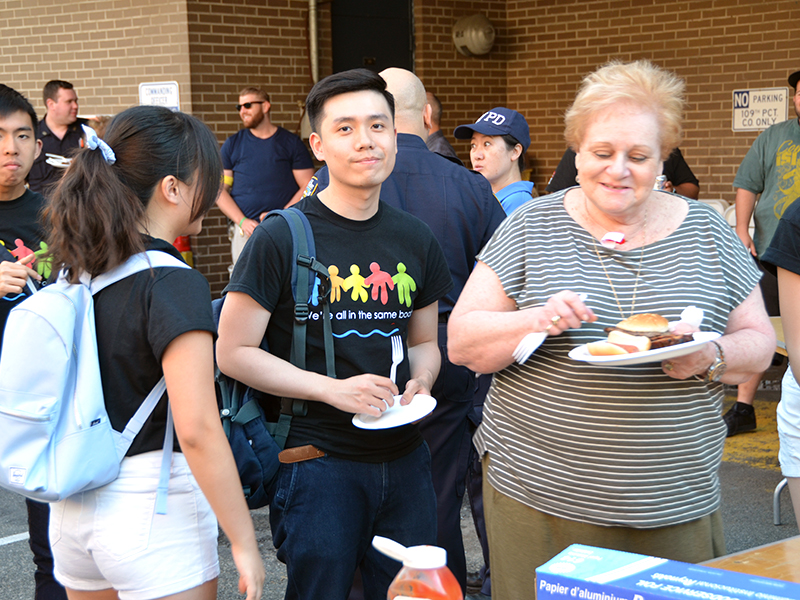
542,49
105,49
715,45
234,43
466,86
238,42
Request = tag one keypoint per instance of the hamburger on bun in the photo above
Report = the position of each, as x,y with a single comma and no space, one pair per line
638,333
653,326
644,323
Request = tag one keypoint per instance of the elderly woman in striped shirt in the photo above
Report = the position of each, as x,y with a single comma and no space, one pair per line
624,457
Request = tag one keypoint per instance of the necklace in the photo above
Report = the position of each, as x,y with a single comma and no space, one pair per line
638,270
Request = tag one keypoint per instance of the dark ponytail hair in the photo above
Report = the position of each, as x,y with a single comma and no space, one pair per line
97,209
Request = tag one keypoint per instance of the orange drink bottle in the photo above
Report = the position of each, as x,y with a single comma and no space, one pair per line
424,573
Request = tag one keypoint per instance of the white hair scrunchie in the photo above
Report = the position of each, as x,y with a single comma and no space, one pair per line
93,143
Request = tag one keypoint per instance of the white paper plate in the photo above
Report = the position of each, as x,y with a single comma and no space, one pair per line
640,358
421,405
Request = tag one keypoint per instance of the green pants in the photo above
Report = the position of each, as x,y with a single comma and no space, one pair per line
521,538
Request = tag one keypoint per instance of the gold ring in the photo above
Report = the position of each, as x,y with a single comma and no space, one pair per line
668,366
555,320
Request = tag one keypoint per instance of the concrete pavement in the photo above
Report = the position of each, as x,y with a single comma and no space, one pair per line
749,474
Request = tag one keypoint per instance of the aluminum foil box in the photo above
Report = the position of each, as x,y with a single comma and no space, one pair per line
589,573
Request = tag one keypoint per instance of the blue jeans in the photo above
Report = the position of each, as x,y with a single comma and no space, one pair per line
327,510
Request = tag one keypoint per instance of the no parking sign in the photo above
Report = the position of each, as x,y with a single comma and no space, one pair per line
754,110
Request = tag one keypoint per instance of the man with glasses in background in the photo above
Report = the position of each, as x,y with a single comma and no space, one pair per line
265,167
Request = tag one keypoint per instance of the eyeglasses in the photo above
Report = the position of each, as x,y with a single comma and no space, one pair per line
249,104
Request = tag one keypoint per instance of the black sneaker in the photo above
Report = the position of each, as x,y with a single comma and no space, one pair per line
474,582
740,418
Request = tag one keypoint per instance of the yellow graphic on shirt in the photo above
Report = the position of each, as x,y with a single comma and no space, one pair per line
380,282
787,163
336,283
356,283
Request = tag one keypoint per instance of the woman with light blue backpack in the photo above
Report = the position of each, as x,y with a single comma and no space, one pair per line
152,180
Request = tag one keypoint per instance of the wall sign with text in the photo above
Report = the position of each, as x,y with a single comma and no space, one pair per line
754,110
163,93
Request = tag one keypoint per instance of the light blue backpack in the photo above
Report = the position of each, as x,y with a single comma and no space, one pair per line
55,436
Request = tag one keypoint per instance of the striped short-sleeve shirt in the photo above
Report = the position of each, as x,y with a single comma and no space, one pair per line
623,446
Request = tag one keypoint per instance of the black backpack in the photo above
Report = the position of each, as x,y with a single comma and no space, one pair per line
257,437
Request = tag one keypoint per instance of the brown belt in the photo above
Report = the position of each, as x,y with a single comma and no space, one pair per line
299,454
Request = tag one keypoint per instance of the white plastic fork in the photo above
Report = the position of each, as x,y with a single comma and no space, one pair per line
528,346
397,356
532,341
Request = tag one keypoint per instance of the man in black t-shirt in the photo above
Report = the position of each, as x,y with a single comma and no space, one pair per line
463,213
340,485
21,235
20,229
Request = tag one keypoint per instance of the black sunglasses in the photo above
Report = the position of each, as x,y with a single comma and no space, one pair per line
249,104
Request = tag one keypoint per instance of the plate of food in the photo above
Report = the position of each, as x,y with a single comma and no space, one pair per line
641,339
421,405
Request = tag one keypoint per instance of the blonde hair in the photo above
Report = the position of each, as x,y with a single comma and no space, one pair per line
640,84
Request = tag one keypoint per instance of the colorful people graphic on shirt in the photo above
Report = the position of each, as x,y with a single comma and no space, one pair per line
21,251
356,283
405,285
42,265
336,283
380,281
314,299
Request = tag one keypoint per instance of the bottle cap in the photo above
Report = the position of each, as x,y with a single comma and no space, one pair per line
425,557
415,557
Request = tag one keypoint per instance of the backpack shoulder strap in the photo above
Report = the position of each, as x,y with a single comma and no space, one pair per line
136,263
310,284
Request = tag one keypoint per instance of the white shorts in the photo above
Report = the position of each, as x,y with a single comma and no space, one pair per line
111,537
789,426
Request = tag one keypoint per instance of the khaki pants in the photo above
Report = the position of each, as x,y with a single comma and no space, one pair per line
238,240
522,538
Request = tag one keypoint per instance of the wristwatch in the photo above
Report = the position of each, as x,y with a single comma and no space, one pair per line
718,367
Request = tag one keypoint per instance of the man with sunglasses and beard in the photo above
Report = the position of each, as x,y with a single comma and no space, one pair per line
265,168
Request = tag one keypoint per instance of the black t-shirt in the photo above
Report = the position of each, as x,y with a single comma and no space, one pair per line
20,219
382,269
55,157
136,320
675,168
784,250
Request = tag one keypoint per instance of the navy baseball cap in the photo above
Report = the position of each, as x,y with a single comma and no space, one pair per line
794,78
498,121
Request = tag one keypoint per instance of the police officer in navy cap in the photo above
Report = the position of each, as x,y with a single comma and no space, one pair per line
498,142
